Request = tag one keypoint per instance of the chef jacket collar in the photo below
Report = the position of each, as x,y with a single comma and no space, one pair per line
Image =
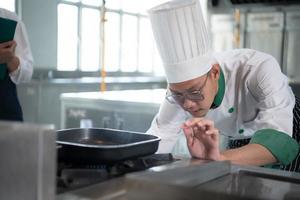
221,91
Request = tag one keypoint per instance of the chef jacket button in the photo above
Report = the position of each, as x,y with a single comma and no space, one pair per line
231,110
241,131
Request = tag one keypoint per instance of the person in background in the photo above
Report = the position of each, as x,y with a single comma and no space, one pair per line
240,95
17,56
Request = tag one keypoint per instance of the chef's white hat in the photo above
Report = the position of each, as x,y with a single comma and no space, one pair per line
182,39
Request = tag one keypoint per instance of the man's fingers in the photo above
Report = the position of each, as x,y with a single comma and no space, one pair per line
200,122
196,129
7,44
189,134
205,124
13,45
192,122
212,132
201,128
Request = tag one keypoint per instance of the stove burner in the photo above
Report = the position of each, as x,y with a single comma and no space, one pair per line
74,176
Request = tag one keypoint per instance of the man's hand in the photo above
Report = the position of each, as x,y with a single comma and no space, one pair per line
7,55
202,138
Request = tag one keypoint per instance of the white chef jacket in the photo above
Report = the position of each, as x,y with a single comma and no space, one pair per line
257,96
24,71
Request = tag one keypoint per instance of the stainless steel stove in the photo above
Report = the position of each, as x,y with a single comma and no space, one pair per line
194,179
74,176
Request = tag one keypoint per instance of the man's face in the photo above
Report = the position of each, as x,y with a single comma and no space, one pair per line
196,96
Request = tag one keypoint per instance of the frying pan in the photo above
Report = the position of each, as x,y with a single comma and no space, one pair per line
102,145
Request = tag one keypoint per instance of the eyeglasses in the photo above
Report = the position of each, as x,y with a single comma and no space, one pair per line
179,98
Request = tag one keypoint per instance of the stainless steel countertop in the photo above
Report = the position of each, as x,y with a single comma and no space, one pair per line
191,179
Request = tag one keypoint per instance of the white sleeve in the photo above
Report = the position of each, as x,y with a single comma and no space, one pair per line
23,52
275,99
166,125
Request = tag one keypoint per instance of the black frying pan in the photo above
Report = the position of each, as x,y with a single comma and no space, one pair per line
100,145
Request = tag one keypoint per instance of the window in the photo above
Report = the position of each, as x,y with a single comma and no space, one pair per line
9,5
90,42
67,37
146,46
129,44
112,36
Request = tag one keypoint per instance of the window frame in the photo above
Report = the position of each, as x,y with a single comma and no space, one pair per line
120,12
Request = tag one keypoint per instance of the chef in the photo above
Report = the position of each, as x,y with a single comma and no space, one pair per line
239,96
17,57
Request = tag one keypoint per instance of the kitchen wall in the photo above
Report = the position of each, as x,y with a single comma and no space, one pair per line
271,28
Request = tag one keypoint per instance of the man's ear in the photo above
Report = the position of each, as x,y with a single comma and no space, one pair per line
215,72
